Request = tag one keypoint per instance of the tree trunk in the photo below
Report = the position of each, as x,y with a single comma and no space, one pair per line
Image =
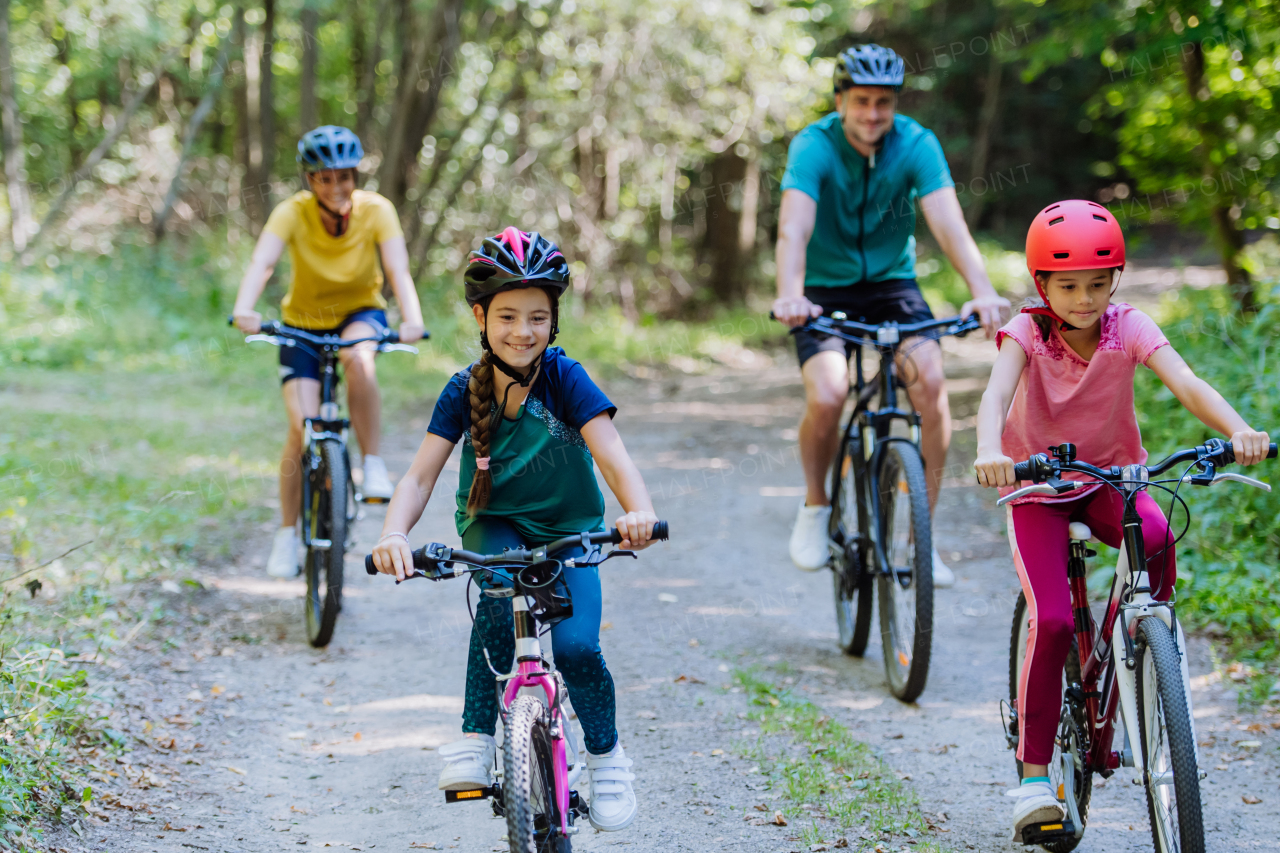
307,80
987,116
245,98
21,223
430,63
266,106
750,206
1229,239
368,55
722,244
189,140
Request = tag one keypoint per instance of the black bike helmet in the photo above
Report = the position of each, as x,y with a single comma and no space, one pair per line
514,259
329,147
869,65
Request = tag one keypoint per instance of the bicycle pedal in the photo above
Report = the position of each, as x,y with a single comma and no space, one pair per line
466,796
365,500
1046,832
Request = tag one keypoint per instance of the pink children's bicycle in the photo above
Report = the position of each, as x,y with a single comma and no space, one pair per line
540,760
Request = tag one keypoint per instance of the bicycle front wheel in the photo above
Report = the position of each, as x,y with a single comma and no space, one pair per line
328,538
1170,776
851,582
528,781
906,583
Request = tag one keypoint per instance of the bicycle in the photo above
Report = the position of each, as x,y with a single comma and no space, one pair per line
1134,661
535,792
329,496
892,547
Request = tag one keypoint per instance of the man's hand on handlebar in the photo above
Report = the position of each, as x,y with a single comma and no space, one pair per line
993,310
793,311
1250,447
636,529
393,556
249,322
995,470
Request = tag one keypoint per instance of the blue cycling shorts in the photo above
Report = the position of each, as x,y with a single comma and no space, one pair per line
297,363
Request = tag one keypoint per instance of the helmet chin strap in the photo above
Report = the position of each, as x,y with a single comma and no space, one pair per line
343,218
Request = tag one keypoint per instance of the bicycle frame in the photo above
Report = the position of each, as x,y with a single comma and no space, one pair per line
531,671
326,426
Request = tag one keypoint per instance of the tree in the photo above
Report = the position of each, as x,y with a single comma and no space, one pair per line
21,221
307,83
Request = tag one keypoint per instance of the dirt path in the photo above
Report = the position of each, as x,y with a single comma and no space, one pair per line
274,746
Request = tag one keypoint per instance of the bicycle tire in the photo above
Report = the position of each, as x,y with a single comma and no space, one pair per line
1159,666
528,788
851,583
1073,722
906,613
328,521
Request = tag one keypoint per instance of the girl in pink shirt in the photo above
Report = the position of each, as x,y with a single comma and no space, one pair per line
1065,374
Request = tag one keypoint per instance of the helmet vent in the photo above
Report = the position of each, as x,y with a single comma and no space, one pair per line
1055,207
1104,252
1061,256
1100,218
1056,220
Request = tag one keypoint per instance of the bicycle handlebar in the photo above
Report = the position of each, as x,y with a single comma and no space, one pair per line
838,325
1040,468
430,556
277,329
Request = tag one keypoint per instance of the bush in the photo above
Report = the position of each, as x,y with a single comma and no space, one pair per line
1227,576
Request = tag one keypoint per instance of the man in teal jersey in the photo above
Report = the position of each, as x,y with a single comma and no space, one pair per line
846,243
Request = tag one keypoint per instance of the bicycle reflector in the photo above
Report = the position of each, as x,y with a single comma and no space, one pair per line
544,582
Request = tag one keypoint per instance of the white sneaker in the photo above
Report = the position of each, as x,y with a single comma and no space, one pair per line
613,802
1036,804
283,562
376,485
810,548
943,577
468,763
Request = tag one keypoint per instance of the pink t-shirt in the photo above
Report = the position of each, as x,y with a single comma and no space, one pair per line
1061,397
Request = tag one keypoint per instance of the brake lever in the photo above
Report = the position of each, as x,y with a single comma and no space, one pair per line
594,558
397,348
1049,487
1237,478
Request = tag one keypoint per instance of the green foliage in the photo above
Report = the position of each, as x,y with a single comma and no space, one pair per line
1226,564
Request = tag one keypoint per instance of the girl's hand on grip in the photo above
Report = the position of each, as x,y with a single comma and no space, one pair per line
393,556
636,528
1250,446
995,470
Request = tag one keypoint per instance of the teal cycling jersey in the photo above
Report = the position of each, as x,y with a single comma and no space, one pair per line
866,219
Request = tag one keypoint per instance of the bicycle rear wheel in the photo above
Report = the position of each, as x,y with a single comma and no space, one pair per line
328,522
851,581
528,781
1171,776
1071,747
906,584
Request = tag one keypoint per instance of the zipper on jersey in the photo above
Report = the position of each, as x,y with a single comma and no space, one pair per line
862,211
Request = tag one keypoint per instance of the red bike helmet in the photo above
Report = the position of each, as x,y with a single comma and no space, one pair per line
1072,235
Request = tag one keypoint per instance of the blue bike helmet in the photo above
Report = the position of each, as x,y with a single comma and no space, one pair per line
329,147
868,65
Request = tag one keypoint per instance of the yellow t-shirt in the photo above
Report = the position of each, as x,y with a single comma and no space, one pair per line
332,276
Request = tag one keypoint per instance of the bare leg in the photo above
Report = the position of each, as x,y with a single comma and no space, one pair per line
927,389
826,385
301,401
363,397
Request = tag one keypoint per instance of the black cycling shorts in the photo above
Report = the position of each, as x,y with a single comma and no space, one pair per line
297,363
875,302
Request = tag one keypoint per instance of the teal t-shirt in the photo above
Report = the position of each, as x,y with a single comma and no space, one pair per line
866,222
544,480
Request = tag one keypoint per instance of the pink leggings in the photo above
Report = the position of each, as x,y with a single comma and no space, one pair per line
1038,537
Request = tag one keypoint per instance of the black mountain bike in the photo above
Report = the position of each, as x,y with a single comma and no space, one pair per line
329,495
880,520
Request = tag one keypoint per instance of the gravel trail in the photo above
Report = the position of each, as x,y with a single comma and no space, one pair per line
300,749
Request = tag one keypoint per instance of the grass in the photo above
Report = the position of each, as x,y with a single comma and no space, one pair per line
834,781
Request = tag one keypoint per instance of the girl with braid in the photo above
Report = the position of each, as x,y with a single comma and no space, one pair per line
532,423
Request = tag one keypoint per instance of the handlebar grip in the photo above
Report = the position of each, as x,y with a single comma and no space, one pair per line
368,564
660,531
1024,471
1228,453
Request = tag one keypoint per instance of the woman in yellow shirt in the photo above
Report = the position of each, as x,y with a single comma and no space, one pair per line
335,234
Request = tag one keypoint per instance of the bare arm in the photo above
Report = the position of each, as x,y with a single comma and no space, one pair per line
796,219
266,254
993,467
395,262
946,221
624,481
1202,400
392,555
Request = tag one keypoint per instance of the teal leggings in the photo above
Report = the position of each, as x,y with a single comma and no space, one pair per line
575,643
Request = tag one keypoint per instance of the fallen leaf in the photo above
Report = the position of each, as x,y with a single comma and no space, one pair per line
237,771
896,736
357,736
814,848
717,752
760,807
698,754
328,701
708,811
693,643
688,679
1248,744
424,845
778,819
606,626
217,689
841,842
1251,800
